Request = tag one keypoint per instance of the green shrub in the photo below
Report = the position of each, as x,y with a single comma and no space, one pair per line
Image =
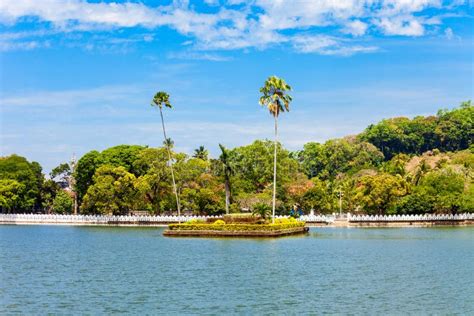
219,222
284,220
261,209
237,227
241,218
195,221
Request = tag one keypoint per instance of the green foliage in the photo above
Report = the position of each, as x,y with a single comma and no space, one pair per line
161,98
126,178
201,153
346,155
253,167
448,131
63,172
11,195
21,188
274,95
237,227
241,218
48,193
285,220
378,193
118,156
261,209
62,203
113,192
446,187
416,203
219,222
319,197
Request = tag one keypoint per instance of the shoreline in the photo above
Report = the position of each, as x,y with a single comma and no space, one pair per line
308,224
466,219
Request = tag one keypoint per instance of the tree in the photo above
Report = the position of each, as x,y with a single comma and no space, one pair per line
63,203
378,193
337,156
203,195
227,172
162,98
27,195
48,193
253,168
11,192
275,98
201,153
446,186
449,130
117,156
318,197
153,184
63,172
262,210
112,192
86,167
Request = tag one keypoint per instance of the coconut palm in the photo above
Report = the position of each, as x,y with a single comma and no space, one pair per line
162,98
275,98
168,143
201,153
224,159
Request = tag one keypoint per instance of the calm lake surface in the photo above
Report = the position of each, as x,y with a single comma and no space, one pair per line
91,270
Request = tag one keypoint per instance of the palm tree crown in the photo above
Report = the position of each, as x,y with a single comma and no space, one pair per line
201,153
274,95
161,98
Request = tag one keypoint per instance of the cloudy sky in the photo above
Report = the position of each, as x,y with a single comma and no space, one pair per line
79,75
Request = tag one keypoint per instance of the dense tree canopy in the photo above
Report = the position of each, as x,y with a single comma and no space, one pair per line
447,131
401,165
22,181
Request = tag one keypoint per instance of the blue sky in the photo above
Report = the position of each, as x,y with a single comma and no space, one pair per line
79,75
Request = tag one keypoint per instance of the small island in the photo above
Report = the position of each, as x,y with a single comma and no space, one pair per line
238,225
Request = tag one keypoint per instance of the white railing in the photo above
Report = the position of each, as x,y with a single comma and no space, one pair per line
317,218
154,220
410,218
95,219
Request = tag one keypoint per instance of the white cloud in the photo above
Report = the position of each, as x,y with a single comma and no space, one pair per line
326,45
400,25
198,56
356,28
69,98
257,23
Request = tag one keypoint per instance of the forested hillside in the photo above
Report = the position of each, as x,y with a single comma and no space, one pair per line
399,165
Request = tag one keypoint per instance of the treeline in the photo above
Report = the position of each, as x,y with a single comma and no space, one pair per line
397,166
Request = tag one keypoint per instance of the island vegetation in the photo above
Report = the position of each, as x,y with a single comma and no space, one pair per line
396,166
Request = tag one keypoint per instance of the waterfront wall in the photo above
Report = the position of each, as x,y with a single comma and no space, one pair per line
348,220
87,220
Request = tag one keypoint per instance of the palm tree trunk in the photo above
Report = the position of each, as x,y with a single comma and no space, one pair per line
227,196
275,169
171,166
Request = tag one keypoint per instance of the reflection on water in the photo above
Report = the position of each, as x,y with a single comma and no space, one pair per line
91,270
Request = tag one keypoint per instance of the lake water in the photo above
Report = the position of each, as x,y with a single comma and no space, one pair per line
92,270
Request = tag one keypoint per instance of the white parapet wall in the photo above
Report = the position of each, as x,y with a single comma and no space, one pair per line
411,218
57,219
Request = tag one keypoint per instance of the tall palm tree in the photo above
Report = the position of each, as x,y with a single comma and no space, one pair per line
275,98
162,98
224,159
201,153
